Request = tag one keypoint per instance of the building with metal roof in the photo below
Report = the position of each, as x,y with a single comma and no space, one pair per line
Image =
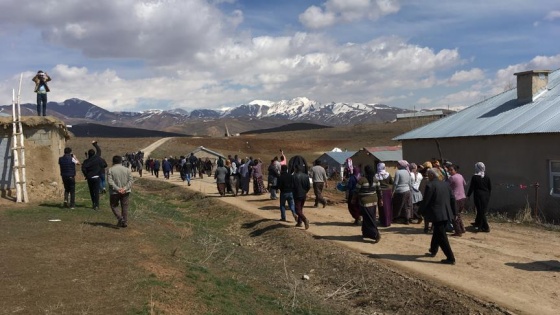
515,133
334,162
389,155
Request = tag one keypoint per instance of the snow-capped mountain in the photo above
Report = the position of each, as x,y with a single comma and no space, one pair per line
256,113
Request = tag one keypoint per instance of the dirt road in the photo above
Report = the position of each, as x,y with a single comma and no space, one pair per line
514,266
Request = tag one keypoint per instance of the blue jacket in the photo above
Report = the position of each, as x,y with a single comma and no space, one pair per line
67,166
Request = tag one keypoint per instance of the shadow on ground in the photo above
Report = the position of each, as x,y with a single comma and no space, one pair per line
400,257
547,265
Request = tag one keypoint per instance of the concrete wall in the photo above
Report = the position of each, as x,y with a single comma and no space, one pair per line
44,144
512,162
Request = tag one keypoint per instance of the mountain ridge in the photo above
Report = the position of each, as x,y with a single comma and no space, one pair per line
258,114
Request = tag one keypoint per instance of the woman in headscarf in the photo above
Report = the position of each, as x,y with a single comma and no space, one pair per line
402,200
481,188
386,185
244,176
416,179
368,195
258,183
353,206
220,175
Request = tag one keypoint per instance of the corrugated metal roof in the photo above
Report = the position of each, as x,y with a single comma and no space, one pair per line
340,157
383,148
201,148
384,156
420,114
499,115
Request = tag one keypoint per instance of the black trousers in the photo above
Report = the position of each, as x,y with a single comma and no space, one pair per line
93,185
69,190
439,239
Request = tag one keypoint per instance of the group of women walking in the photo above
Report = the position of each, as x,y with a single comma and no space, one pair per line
398,198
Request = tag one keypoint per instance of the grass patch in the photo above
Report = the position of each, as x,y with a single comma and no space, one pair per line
180,255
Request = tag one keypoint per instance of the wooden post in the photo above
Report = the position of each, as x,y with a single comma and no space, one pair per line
15,148
536,200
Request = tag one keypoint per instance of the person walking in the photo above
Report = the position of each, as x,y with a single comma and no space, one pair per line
481,187
92,168
120,184
157,166
166,167
220,177
186,170
353,207
244,176
386,182
319,177
416,180
402,199
102,181
368,196
41,88
257,173
439,207
286,187
457,184
273,174
67,164
301,187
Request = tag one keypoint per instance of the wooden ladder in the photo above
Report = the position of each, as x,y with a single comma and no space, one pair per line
18,147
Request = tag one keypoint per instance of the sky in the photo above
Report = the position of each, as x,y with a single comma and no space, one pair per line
134,55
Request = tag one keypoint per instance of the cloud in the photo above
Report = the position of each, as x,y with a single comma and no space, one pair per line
552,15
264,67
463,76
155,31
314,17
346,11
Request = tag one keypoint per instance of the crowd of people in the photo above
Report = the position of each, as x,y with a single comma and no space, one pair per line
432,193
94,168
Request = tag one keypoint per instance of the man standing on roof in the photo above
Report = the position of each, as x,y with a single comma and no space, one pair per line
41,88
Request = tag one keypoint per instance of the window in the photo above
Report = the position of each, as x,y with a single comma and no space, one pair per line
555,178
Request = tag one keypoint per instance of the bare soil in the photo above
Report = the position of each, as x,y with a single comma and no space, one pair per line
515,268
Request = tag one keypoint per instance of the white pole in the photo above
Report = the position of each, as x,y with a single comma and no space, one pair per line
22,140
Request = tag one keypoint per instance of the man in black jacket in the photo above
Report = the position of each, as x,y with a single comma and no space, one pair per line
68,164
301,187
92,168
438,207
286,186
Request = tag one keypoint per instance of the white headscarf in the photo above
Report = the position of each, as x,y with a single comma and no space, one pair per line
381,172
479,169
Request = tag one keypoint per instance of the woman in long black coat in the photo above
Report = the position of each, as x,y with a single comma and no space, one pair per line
481,187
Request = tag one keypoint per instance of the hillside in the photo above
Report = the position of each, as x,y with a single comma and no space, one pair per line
256,115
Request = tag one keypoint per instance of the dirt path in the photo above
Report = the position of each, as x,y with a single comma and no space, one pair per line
149,149
516,267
